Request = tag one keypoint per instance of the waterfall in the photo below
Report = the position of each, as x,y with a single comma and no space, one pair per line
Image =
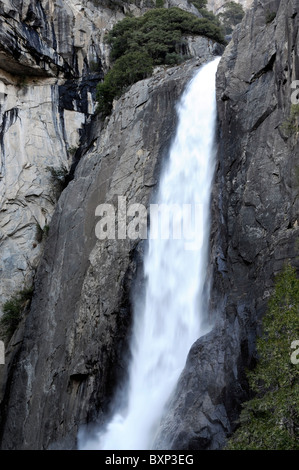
172,314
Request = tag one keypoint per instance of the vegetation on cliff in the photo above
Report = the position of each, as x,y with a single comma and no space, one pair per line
270,420
231,15
13,310
138,44
201,6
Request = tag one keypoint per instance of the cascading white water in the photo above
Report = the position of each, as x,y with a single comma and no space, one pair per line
172,314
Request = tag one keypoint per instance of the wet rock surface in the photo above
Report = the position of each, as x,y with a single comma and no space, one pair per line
254,224
70,351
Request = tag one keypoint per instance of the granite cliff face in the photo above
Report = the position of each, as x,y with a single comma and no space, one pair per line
52,54
216,6
67,358
47,50
71,347
255,227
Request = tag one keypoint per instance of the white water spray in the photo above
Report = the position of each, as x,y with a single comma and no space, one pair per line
173,313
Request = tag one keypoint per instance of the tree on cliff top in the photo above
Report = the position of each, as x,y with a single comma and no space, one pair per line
140,43
270,421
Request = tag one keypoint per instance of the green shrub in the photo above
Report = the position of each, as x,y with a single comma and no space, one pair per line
71,151
58,173
291,126
128,69
270,421
22,81
140,43
172,58
13,310
94,66
161,25
58,176
200,4
41,233
46,230
270,16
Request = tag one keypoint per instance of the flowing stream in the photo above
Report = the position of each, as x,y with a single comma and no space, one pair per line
172,314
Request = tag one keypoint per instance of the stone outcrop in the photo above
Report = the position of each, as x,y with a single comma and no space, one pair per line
70,350
75,335
255,223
